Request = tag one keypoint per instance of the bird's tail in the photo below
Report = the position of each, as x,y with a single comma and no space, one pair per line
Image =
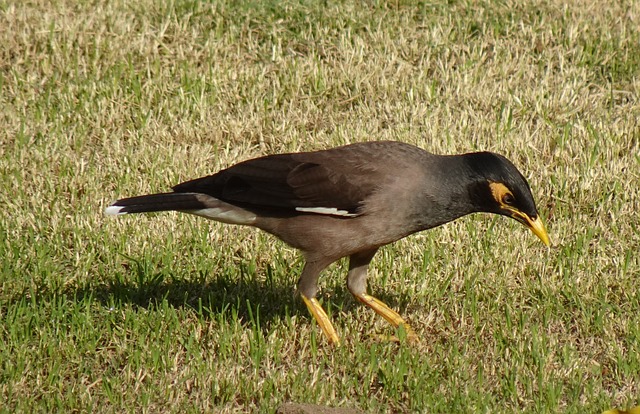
194,203
156,202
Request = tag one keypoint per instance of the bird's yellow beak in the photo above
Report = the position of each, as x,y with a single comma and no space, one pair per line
536,226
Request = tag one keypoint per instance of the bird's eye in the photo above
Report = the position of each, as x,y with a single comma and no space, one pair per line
508,199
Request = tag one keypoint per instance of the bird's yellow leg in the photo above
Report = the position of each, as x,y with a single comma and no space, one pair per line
389,314
323,320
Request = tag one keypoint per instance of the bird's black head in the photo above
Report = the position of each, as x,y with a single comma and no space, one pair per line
498,187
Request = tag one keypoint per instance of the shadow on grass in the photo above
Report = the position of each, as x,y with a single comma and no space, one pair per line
210,294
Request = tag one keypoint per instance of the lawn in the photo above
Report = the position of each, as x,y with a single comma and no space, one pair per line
172,313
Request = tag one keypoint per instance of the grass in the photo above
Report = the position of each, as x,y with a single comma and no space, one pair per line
170,313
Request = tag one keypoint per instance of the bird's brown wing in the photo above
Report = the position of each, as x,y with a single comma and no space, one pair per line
325,179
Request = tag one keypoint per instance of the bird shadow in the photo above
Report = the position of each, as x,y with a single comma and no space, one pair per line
206,294
209,295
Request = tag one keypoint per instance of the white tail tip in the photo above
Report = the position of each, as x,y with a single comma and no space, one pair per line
113,211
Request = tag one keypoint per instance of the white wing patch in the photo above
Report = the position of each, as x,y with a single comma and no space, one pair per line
330,211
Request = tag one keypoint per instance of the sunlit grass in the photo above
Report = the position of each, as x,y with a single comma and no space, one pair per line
170,313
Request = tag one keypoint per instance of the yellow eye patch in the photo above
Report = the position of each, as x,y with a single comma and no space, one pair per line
499,191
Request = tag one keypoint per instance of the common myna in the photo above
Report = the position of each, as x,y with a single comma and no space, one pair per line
349,201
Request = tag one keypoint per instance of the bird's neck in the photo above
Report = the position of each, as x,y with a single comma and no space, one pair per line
452,193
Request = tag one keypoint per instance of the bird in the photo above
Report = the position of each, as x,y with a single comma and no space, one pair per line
349,201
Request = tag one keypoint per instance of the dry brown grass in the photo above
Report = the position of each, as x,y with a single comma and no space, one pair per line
107,99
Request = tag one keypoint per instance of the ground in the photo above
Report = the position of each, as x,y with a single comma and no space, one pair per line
171,313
